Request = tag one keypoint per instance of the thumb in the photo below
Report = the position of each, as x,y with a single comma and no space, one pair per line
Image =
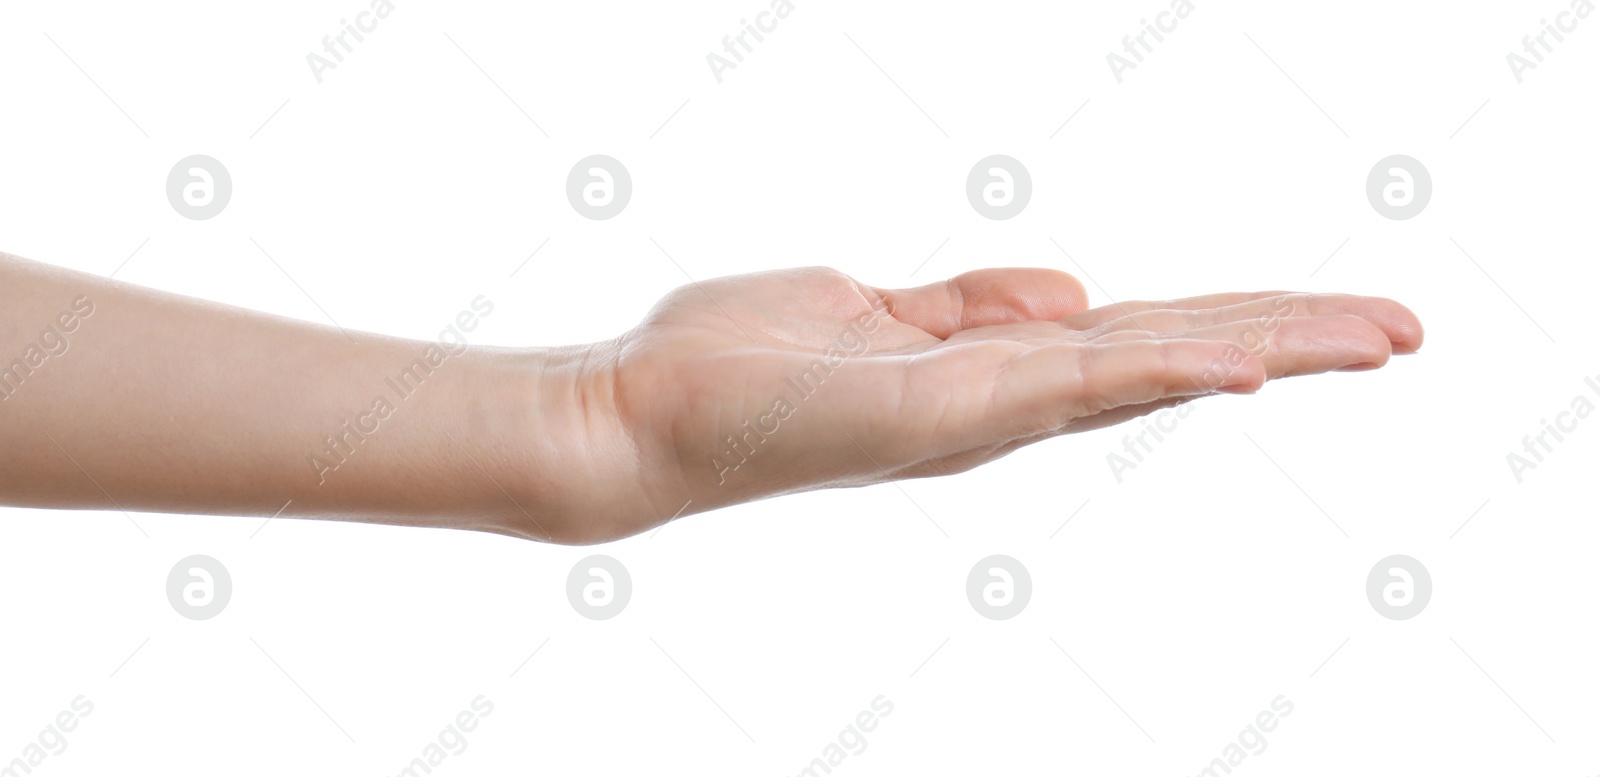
986,298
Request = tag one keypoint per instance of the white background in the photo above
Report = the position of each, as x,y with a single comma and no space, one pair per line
1188,596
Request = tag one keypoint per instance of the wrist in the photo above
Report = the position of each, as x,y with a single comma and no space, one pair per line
572,472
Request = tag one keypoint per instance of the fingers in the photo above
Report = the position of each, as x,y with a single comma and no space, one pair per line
1007,376
987,298
1049,386
1397,323
1290,346
1103,315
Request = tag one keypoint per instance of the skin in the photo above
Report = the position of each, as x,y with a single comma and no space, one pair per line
170,404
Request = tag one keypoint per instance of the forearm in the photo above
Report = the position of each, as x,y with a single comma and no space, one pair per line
114,396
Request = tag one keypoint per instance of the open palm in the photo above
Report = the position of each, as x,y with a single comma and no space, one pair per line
750,386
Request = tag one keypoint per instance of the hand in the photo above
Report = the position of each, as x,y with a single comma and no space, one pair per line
751,386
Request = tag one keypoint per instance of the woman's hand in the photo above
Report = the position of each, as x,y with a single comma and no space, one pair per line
751,386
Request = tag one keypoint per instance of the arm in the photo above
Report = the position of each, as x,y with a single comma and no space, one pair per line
118,397
730,390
